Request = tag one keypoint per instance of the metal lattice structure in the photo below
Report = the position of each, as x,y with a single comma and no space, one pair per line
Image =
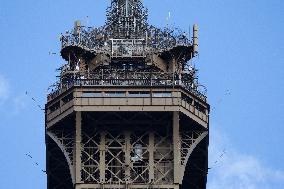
127,110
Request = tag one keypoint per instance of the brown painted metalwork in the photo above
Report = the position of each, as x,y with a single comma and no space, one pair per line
127,110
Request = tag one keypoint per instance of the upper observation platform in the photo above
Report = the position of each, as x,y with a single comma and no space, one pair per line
90,98
130,58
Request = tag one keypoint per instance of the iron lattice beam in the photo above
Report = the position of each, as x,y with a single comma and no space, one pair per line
133,155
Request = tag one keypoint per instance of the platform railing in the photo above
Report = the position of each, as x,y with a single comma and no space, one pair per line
91,38
124,83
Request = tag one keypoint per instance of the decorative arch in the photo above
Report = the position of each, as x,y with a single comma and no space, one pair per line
65,153
189,152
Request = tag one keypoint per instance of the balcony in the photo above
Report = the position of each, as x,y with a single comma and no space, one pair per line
144,83
127,99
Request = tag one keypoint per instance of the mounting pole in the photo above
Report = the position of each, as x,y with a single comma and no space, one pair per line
195,39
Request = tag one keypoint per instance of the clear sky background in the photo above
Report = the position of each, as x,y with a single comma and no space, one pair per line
241,62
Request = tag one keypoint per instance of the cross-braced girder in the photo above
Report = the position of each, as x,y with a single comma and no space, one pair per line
127,110
116,150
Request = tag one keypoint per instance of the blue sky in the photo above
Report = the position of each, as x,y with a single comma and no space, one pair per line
241,62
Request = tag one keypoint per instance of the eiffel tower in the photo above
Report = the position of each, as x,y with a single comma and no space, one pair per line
127,110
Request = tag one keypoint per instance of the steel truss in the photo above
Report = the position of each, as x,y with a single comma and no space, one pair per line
110,156
115,150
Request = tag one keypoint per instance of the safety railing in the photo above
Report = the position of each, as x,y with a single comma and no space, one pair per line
91,38
126,82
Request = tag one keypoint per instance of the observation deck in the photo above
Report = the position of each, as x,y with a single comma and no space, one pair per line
127,110
127,95
90,42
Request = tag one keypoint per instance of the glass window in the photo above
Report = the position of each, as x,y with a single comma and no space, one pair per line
199,107
162,94
139,94
54,107
91,94
67,98
115,94
186,98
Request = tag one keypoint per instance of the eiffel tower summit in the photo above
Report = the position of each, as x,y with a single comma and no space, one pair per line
127,111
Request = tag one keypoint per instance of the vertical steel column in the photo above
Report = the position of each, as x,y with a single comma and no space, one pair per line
173,66
127,156
176,146
102,157
78,148
151,156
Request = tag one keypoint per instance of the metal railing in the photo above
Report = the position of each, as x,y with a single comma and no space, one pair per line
91,38
126,82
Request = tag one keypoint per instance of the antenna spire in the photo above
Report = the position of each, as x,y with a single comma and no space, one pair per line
127,19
